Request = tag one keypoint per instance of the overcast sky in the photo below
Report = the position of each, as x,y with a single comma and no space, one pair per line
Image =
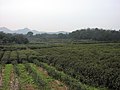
60,15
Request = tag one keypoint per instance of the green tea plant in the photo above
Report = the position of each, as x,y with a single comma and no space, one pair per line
6,77
72,83
22,56
37,78
13,56
92,64
6,57
1,54
24,77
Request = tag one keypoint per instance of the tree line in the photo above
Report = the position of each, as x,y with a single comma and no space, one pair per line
6,38
89,34
94,34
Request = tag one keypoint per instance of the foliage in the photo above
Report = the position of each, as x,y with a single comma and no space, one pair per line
12,38
13,56
24,77
30,34
6,77
95,34
0,69
37,78
89,34
72,83
6,57
93,64
1,54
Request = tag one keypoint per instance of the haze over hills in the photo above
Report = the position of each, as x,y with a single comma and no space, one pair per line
26,30
5,30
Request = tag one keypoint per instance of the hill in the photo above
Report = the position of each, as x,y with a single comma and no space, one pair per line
26,30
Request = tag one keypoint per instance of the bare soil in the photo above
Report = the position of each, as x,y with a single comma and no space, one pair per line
14,84
57,85
29,87
1,78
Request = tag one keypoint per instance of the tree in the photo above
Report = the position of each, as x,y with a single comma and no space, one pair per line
95,34
61,36
12,38
29,34
19,38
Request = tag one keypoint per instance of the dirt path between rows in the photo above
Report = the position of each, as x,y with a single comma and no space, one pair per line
55,84
1,78
12,80
14,84
29,87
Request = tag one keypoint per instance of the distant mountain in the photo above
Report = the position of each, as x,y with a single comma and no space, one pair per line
26,30
6,30
19,31
37,32
63,32
22,31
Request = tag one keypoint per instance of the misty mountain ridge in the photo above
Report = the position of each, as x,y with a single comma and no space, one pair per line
5,30
26,30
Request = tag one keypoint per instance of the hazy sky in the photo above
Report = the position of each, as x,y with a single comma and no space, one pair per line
59,15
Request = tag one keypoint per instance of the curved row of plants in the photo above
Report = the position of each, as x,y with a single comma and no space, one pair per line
37,77
6,57
6,77
30,56
24,47
19,56
1,54
94,64
25,80
72,83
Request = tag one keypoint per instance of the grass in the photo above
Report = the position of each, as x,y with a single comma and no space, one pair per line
42,75
25,78
6,77
46,79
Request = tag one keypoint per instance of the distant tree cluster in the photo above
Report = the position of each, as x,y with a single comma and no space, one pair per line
51,36
93,34
96,34
12,38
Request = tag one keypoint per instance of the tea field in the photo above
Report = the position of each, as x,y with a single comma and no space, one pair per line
63,66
